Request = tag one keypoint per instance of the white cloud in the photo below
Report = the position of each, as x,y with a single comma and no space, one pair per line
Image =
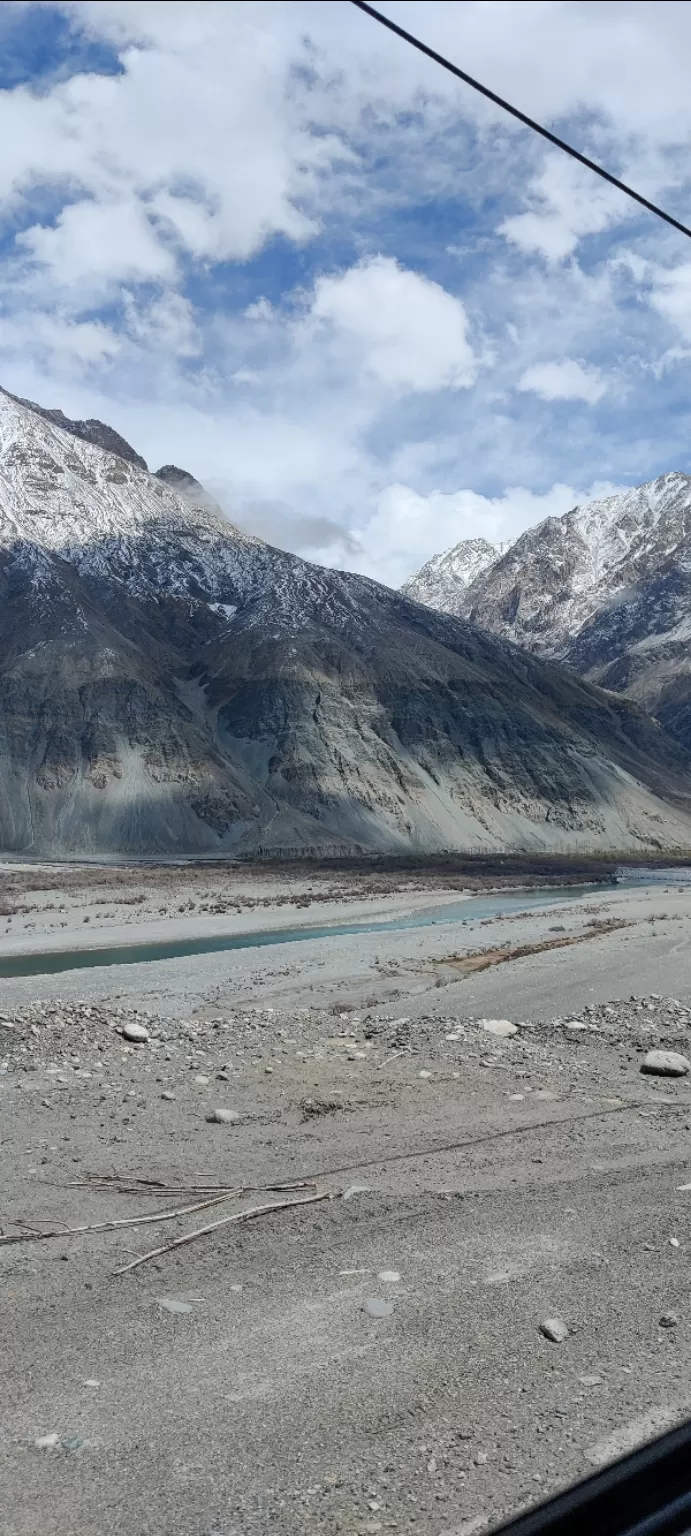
407,331
565,380
58,343
568,202
670,295
96,245
198,144
166,323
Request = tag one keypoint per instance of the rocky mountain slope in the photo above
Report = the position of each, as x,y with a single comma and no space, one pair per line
440,582
605,590
170,684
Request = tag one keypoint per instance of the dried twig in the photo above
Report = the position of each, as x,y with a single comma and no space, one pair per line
395,1055
133,1186
125,1221
224,1221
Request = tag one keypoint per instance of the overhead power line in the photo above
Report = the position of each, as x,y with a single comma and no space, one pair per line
522,117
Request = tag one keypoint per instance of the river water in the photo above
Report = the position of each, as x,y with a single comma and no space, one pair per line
475,907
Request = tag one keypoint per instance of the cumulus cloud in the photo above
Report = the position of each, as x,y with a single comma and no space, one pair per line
565,380
407,331
567,202
93,246
197,142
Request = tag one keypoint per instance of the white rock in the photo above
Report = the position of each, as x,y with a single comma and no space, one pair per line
46,1442
554,1329
376,1306
137,1033
389,1276
223,1117
666,1064
501,1027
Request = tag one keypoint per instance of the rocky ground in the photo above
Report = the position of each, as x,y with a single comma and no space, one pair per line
382,1359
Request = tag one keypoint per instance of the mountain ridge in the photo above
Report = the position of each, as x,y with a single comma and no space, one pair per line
171,684
605,590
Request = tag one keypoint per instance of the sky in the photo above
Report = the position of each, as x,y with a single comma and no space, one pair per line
374,315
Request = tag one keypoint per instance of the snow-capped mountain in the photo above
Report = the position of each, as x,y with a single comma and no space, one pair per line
605,589
169,683
441,581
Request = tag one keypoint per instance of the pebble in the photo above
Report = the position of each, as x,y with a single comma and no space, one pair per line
669,1320
222,1117
47,1442
169,1097
590,1381
501,1027
137,1033
377,1306
91,1382
674,1242
201,1080
666,1064
554,1329
388,1276
424,1074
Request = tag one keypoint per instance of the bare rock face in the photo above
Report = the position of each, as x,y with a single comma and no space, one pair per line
169,683
604,590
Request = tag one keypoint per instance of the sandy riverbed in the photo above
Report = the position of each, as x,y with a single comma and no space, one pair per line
506,1181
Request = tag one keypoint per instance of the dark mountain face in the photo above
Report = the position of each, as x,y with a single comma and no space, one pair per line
168,683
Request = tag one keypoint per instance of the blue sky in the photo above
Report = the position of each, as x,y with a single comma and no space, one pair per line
270,243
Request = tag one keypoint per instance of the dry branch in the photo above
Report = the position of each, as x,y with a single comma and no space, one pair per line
224,1221
111,1226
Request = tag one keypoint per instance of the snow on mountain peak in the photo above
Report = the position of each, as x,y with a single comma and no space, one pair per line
544,587
605,589
440,582
63,493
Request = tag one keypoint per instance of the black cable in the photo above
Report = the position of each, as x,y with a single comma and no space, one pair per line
522,118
